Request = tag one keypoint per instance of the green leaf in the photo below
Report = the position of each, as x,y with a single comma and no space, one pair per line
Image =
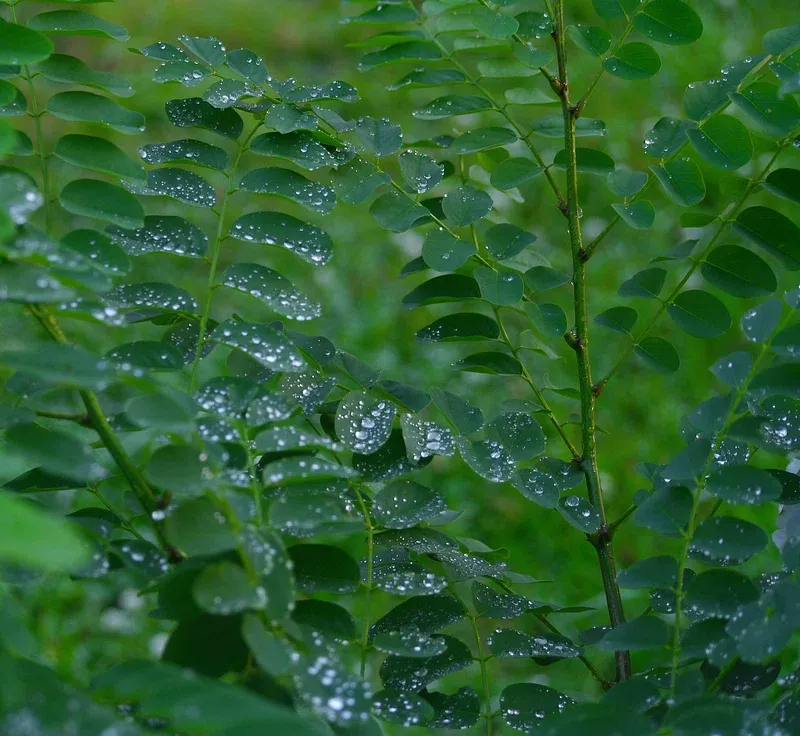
210,50
645,632
428,78
726,540
322,568
400,52
525,706
744,484
76,23
511,643
589,160
490,362
700,314
760,322
524,66
69,70
610,9
466,205
186,72
666,137
552,126
422,614
273,289
487,458
356,180
397,212
193,112
24,283
549,319
773,231
405,504
719,593
669,21
502,286
682,181
482,139
388,13
519,434
640,215
381,137
666,512
505,241
314,514
420,172
363,423
404,709
514,171
179,184
103,201
653,572
274,228
781,40
619,319
449,288
32,538
493,24
763,628
162,51
722,141
785,183
625,183
739,271
633,61
409,644
20,46
451,106
466,418
87,107
196,528
537,486
266,345
592,39
413,674
645,284
579,513
461,326
146,354
162,234
762,104
186,151
544,278
443,251
98,154
55,451
224,588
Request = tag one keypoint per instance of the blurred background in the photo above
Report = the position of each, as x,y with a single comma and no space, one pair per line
361,291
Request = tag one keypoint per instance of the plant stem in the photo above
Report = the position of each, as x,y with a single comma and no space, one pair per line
602,541
111,442
727,217
215,253
701,485
487,691
368,597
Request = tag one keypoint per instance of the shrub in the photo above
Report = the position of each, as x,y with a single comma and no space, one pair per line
265,491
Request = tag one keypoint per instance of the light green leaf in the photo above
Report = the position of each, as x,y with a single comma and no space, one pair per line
87,107
451,106
32,538
103,201
762,104
162,234
722,141
379,135
640,215
514,171
397,212
592,39
443,251
98,154
682,180
76,23
493,24
466,205
502,286
669,21
700,314
619,319
70,70
549,319
20,45
633,61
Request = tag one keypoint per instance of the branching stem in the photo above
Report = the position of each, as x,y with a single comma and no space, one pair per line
602,541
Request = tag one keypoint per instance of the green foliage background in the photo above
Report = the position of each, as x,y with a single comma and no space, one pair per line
361,292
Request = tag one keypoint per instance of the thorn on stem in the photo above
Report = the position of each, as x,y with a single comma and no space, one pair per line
599,387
